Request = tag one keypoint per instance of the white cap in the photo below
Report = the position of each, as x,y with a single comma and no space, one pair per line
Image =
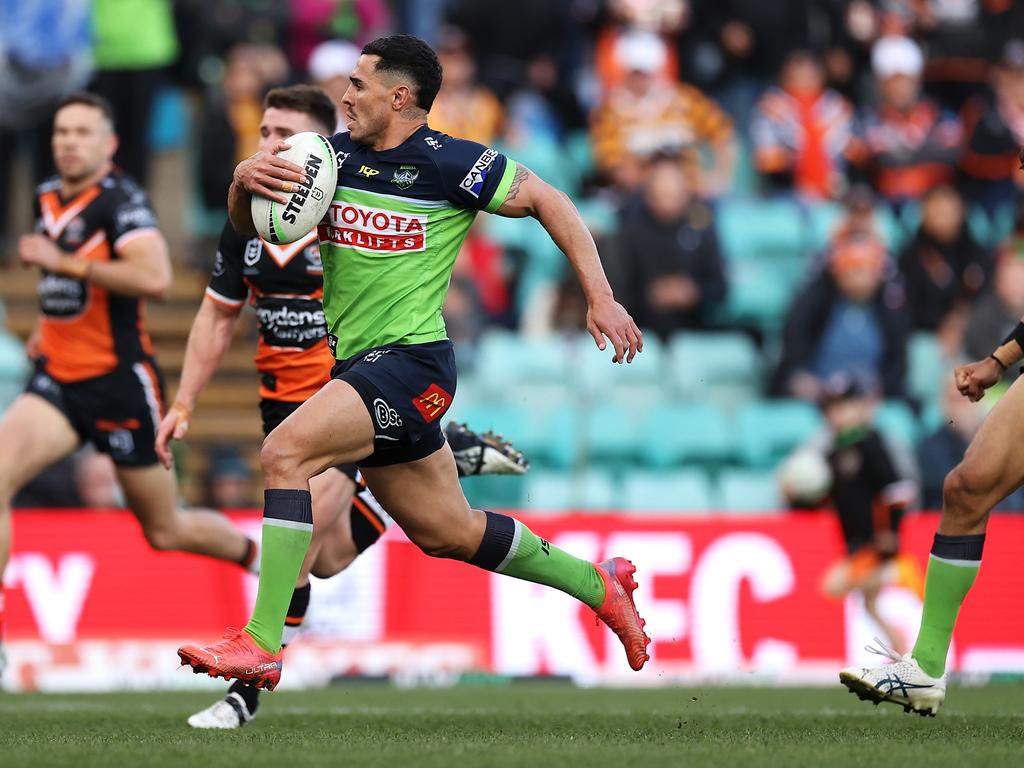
641,51
334,58
896,56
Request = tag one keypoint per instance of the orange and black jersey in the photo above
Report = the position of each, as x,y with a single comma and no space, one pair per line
85,330
284,283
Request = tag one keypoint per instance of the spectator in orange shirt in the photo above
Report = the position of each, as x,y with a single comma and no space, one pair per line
905,144
648,115
463,108
800,130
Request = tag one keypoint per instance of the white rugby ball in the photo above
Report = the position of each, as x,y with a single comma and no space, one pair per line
805,476
307,204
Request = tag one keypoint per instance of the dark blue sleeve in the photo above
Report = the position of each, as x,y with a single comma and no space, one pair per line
474,176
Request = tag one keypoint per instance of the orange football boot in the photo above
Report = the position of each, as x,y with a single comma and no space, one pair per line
619,612
237,657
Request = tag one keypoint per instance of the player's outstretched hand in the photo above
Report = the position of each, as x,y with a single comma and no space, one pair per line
268,175
606,317
174,427
973,379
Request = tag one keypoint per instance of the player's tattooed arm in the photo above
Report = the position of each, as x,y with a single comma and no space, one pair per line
522,174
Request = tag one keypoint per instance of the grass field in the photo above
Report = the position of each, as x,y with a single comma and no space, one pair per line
519,725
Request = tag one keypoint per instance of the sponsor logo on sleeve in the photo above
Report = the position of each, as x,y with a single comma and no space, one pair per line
473,182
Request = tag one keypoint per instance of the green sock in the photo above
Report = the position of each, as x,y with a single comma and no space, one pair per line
952,568
287,531
509,547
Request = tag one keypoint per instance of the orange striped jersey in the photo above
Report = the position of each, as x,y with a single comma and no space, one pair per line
86,330
670,116
285,285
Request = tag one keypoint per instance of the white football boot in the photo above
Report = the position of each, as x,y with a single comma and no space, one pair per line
230,712
901,682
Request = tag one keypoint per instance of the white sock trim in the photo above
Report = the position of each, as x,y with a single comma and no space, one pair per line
514,549
957,563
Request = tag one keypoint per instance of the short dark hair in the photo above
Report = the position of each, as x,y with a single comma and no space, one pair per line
409,56
90,100
307,99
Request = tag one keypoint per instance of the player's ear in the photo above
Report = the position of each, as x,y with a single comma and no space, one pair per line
401,98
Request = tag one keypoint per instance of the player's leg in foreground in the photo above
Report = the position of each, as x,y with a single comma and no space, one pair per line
333,427
992,469
33,434
331,493
340,537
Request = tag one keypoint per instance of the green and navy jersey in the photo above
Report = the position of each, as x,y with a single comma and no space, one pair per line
390,238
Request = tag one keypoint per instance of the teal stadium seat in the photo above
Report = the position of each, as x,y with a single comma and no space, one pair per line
506,361
595,374
495,491
760,229
744,491
896,421
769,430
589,490
695,433
826,217
547,433
614,434
927,370
715,365
687,490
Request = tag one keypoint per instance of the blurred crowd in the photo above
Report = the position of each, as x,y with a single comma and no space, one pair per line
888,130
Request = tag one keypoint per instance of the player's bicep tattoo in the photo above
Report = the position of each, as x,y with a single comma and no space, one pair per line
522,174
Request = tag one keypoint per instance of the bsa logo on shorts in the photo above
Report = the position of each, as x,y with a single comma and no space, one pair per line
432,403
385,415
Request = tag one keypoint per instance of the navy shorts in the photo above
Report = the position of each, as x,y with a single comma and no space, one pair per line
276,411
118,412
407,388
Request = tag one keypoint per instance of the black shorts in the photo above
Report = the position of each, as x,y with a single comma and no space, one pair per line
118,413
407,388
276,411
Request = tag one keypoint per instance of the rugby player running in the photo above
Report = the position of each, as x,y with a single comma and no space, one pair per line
285,285
95,378
991,470
406,197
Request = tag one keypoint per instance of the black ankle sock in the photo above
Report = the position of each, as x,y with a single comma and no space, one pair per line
250,695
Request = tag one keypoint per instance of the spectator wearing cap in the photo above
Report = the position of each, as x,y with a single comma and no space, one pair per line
463,108
943,267
330,65
800,131
994,127
905,144
649,114
666,257
850,317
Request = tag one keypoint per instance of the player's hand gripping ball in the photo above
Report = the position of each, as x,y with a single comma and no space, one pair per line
307,203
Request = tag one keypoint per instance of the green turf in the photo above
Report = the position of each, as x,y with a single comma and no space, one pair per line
520,725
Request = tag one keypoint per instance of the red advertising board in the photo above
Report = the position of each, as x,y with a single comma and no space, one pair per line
734,598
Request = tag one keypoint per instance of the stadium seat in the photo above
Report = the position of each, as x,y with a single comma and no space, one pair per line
896,421
546,434
614,434
714,365
826,217
680,434
685,490
506,360
769,430
743,490
926,369
548,491
752,229
495,491
595,373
